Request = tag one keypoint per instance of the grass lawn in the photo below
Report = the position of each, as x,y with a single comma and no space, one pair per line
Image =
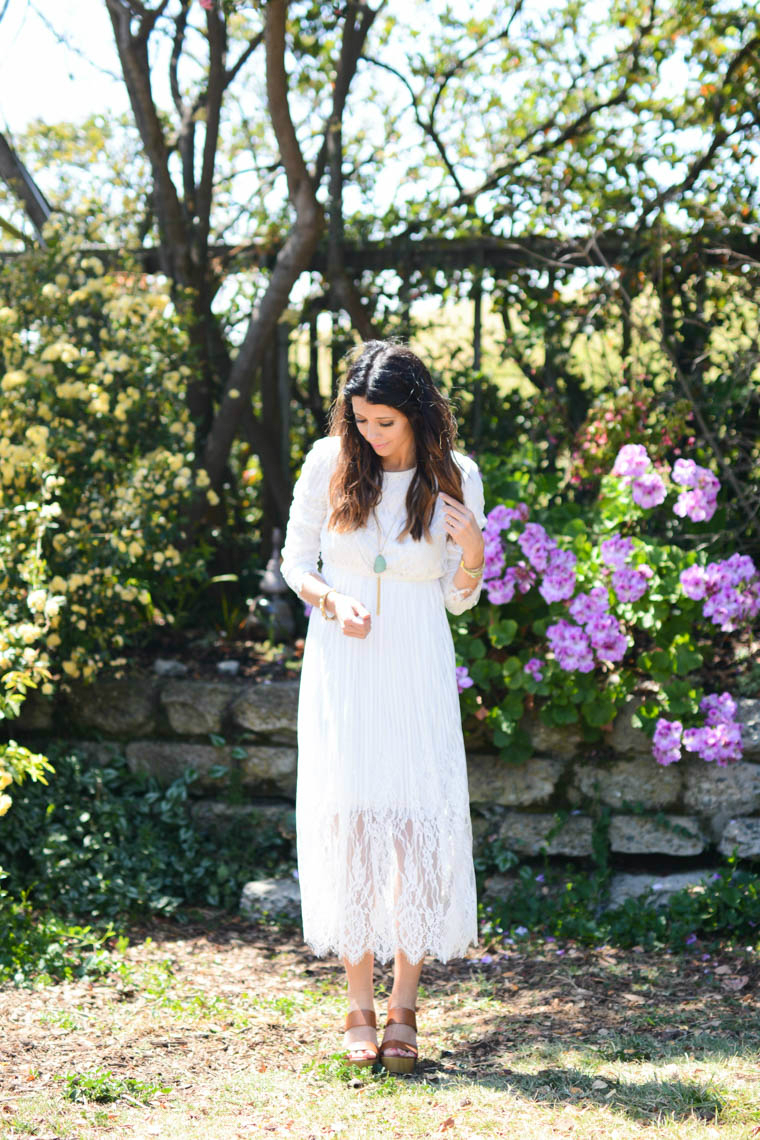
221,1029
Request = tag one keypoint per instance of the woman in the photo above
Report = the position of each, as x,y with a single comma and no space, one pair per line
382,811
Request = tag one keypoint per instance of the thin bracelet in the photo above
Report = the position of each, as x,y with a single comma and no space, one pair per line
323,606
476,572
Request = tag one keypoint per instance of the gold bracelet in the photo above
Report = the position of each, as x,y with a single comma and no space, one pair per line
476,572
323,606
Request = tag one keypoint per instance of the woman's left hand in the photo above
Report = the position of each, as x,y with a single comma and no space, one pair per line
463,528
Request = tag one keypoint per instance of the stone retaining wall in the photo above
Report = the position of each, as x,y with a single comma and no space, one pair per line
164,726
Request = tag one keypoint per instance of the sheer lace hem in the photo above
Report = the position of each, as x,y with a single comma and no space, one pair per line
380,881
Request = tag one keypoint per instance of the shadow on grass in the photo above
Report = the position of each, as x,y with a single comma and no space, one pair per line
646,1101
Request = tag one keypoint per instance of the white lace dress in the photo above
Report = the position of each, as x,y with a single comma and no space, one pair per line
382,809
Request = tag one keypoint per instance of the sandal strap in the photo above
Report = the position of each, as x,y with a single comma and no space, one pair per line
361,1017
402,1016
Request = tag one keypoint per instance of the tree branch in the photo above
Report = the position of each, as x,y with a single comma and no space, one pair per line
355,33
19,180
217,48
133,56
244,57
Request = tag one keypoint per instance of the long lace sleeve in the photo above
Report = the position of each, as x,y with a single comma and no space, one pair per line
300,551
457,601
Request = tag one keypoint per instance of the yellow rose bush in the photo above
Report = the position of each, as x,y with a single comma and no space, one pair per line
97,443
28,605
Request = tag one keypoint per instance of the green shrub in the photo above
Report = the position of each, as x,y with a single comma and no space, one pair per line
572,903
112,845
38,947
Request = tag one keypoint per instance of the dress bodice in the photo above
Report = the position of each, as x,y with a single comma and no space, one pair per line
356,550
309,537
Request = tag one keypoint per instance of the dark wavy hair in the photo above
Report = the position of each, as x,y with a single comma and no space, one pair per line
383,372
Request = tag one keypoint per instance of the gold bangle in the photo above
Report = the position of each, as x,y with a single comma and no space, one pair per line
323,606
476,572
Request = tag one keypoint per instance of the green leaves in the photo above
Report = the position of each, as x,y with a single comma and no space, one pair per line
502,632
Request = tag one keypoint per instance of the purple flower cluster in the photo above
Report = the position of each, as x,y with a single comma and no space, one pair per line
519,577
633,465
559,579
699,500
631,461
570,646
607,638
616,551
499,519
629,584
464,680
542,556
719,739
533,668
537,546
598,632
584,607
648,490
730,590
666,742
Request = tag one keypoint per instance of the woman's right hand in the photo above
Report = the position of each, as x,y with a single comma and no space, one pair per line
354,618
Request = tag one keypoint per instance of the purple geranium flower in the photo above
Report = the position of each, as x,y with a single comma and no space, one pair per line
536,545
629,584
616,551
584,607
666,743
464,680
607,638
570,647
631,461
559,581
648,490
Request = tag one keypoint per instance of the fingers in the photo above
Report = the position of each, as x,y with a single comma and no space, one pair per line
360,623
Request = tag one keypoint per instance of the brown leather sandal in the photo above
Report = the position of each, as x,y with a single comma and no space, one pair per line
396,1064
361,1017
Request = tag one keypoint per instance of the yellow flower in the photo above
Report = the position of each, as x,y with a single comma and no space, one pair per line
71,669
37,435
5,779
48,689
53,605
53,641
36,599
11,380
5,803
212,497
202,477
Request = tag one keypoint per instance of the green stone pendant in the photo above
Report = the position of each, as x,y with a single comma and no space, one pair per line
379,564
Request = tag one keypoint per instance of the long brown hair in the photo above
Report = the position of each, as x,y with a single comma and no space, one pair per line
386,373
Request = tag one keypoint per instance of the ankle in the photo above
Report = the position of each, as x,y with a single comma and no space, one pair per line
365,1001
403,1001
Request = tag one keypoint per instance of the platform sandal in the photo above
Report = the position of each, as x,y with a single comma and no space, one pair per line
361,1017
396,1064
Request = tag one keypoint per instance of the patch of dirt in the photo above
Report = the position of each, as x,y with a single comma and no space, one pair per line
189,1004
